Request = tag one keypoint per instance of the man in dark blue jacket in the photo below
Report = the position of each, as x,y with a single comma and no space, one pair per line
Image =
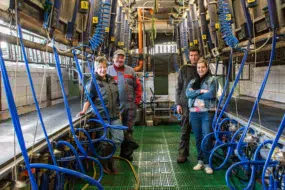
186,73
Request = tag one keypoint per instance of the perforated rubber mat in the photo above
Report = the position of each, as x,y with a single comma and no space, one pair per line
156,166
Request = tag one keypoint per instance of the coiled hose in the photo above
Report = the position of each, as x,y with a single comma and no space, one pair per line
225,22
104,16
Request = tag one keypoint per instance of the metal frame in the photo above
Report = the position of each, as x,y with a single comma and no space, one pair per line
38,147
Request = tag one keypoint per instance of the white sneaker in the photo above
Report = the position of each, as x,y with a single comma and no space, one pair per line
209,170
199,166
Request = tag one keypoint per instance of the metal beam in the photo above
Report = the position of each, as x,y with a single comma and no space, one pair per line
13,40
161,27
33,25
258,39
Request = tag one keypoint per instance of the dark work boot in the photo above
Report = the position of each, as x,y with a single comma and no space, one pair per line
106,151
105,168
111,166
133,145
181,159
126,150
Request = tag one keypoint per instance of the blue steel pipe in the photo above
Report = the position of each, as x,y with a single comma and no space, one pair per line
15,120
119,127
275,143
253,169
70,172
231,146
73,150
224,91
34,94
67,108
19,134
216,132
90,143
71,158
259,94
243,163
234,85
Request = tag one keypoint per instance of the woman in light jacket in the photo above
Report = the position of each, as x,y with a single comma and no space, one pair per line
201,94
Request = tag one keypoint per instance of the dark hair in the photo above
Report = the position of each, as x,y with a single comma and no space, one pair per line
194,49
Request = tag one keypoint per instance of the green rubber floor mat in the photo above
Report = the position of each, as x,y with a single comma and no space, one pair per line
156,166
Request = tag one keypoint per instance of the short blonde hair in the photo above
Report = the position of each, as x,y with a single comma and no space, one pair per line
202,60
99,60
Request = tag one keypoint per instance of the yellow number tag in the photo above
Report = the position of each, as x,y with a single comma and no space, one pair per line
204,37
217,25
195,41
250,1
191,44
112,39
95,19
122,43
107,29
84,4
228,17
182,49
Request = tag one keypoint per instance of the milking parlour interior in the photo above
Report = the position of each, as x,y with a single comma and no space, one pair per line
142,94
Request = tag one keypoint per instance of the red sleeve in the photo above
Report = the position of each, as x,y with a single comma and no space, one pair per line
138,91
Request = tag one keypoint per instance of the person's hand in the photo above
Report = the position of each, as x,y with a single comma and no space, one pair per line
80,113
204,91
179,109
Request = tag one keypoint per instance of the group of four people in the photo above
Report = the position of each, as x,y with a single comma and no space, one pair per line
121,91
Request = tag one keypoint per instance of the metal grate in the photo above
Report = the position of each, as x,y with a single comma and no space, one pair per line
155,164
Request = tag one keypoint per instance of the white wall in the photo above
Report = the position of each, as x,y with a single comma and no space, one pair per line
172,85
21,87
275,87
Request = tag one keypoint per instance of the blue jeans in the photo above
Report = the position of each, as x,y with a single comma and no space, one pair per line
201,123
116,135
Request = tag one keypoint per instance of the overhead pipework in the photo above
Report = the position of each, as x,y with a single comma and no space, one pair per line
45,42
